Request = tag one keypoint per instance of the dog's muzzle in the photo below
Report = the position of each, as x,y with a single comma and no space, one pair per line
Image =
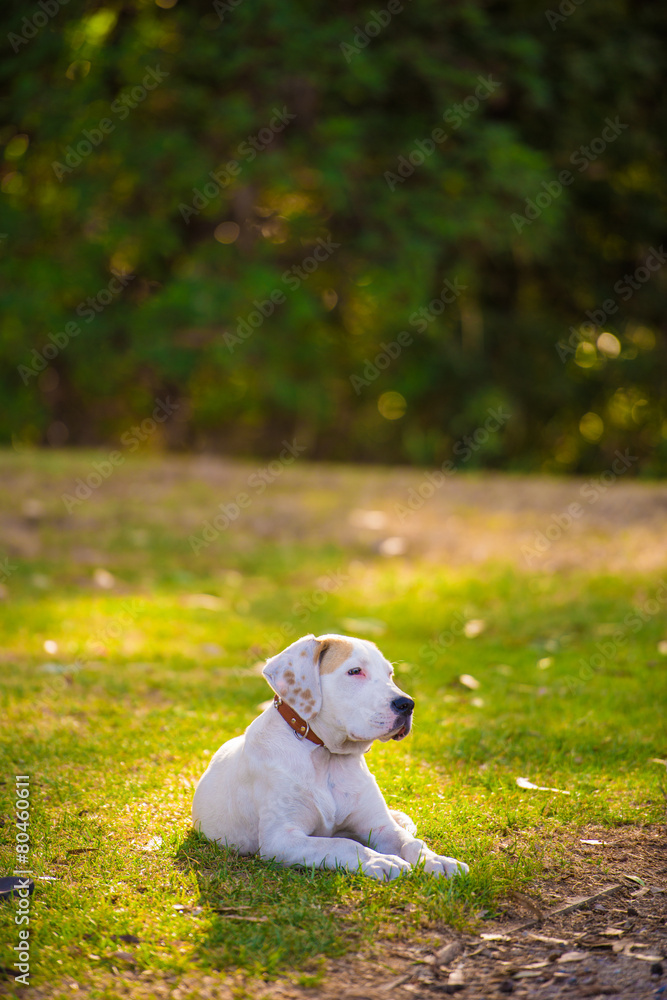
404,707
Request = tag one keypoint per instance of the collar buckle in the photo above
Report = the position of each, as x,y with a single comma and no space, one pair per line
300,727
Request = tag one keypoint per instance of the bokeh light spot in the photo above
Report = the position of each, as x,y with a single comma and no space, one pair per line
78,69
227,232
329,298
392,405
16,146
591,427
586,355
609,344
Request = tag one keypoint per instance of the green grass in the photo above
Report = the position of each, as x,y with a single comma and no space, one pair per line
116,726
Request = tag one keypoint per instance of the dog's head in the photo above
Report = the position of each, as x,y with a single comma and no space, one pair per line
344,688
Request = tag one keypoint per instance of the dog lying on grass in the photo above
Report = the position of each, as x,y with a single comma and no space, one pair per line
311,800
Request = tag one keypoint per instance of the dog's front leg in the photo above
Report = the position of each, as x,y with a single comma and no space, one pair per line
291,846
375,825
391,837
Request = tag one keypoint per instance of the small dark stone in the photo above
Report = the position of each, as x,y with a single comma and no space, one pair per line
507,986
632,912
657,969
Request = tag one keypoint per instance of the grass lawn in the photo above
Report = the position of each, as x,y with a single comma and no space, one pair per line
126,659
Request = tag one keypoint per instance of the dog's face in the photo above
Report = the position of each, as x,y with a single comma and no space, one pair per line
344,688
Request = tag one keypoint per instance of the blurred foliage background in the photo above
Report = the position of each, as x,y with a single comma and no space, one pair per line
214,154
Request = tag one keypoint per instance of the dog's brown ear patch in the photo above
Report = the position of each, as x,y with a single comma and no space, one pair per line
332,653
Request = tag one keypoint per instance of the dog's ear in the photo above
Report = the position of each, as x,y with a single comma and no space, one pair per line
294,674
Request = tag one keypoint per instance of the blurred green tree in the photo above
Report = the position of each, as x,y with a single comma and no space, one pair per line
242,205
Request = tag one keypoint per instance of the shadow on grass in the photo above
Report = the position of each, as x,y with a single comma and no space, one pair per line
264,918
268,920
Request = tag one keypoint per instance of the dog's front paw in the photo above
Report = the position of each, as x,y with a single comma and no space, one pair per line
385,867
439,865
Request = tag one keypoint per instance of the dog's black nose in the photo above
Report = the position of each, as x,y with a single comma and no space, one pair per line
403,705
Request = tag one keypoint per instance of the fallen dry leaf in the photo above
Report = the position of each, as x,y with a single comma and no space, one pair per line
104,579
474,627
208,602
525,783
546,940
456,980
375,520
394,546
154,844
572,956
447,953
122,956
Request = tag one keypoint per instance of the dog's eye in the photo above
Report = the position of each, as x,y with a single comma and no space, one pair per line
354,670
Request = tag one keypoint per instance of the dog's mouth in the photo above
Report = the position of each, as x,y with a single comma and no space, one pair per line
403,731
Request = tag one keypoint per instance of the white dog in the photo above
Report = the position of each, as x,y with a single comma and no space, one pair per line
311,800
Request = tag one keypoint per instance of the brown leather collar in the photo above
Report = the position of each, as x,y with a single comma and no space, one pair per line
302,730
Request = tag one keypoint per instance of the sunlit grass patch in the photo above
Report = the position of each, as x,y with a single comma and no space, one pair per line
115,693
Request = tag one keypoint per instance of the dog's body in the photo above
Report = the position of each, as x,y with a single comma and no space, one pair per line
318,805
